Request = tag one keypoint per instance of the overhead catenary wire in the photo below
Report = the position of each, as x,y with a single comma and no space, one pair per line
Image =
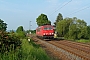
79,10
62,6
58,6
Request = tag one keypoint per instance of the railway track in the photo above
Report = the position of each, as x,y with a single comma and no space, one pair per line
80,46
69,50
73,49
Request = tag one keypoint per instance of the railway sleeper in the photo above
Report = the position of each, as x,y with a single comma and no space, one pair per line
69,55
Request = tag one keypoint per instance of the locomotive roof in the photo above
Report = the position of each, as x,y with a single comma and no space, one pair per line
43,26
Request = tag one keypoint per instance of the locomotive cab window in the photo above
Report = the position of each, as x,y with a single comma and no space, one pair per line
48,28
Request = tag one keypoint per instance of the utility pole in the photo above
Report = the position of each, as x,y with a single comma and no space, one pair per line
30,27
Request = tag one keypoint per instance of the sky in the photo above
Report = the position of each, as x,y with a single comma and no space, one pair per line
20,12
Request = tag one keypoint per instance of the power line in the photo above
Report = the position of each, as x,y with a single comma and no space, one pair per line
57,7
61,7
80,10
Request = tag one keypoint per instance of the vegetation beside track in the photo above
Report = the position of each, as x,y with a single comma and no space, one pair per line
31,50
15,46
27,51
83,41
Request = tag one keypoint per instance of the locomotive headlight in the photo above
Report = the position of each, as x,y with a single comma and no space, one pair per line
44,34
52,33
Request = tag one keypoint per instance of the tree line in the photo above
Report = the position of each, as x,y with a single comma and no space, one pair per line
73,28
69,28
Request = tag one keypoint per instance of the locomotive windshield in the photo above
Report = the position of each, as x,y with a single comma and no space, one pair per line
48,28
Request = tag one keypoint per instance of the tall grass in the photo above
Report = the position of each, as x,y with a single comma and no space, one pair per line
27,51
83,41
32,50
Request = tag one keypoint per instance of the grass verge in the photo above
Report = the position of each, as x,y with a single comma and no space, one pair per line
27,51
83,41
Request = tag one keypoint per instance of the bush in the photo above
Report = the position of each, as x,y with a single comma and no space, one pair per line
8,41
21,34
27,51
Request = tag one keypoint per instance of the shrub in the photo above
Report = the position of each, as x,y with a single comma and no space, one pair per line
8,41
21,34
27,51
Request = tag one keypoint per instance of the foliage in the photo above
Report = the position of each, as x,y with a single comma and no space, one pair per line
42,20
27,51
12,31
20,32
8,42
20,28
31,49
72,28
32,31
83,41
63,26
3,25
59,18
88,29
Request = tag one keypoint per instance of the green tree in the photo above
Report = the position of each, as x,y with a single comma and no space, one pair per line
63,26
72,31
59,18
20,28
82,29
88,30
72,28
60,28
20,32
3,25
42,20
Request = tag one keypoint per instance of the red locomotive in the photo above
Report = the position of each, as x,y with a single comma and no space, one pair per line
45,31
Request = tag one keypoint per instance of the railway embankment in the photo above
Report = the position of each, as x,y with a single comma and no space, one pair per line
65,50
